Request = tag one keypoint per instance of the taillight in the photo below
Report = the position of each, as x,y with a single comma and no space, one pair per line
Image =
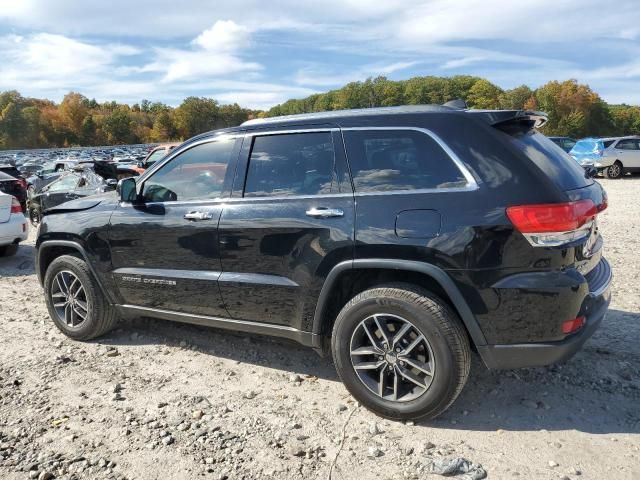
15,205
574,325
553,224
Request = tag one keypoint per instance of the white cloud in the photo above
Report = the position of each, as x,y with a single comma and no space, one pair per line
55,61
225,36
327,76
173,48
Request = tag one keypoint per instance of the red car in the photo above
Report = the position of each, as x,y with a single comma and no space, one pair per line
12,183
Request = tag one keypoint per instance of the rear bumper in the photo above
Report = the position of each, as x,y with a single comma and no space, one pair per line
594,308
15,230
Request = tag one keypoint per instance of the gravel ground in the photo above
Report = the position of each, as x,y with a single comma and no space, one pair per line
160,400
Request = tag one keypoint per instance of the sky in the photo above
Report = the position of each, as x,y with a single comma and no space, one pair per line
259,52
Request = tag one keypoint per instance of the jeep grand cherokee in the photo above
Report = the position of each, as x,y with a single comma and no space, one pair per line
397,239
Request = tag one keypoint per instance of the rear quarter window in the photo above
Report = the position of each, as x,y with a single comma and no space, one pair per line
551,159
387,160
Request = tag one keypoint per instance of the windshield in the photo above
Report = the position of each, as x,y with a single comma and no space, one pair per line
587,146
155,156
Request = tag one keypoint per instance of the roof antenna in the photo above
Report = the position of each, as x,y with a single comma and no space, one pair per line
457,104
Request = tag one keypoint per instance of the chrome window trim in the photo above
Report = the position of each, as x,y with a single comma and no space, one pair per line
260,133
287,197
471,185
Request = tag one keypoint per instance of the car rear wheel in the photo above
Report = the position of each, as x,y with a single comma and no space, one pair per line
401,351
74,300
614,171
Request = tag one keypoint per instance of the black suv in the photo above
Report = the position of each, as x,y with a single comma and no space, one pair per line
398,239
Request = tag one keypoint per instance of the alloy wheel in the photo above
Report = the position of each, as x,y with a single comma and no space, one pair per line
392,358
614,170
69,299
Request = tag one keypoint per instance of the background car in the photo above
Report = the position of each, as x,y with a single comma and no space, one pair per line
156,154
613,156
15,186
70,186
13,224
565,143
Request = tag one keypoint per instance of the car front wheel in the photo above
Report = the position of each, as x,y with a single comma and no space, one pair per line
74,300
401,351
614,171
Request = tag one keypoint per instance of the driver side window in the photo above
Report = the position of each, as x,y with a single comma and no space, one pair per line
195,174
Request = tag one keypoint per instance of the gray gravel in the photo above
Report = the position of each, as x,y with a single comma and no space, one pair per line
160,400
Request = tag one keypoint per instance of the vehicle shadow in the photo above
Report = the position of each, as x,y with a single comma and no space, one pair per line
259,350
19,265
595,392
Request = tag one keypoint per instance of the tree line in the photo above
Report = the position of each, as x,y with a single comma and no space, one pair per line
573,109
79,121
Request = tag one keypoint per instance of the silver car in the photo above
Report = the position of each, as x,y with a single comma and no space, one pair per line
612,156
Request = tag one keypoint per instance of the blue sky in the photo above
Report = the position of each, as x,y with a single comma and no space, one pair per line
259,53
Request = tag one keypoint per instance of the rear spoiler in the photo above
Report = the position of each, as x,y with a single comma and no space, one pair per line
512,120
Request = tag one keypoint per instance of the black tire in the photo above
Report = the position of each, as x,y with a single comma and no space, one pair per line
435,320
614,171
101,316
34,216
9,250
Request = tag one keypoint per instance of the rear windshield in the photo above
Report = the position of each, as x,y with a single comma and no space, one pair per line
587,146
552,160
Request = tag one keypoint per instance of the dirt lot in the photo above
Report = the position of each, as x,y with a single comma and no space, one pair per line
161,400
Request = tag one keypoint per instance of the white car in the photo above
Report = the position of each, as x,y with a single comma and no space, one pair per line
612,156
14,227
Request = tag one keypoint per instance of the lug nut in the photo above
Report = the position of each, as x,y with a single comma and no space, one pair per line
398,349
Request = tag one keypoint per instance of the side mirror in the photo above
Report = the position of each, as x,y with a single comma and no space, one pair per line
140,164
127,190
591,171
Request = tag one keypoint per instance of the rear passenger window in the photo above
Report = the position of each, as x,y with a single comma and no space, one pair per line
290,164
383,160
627,145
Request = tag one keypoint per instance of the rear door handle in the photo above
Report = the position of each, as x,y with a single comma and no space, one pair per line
323,212
197,216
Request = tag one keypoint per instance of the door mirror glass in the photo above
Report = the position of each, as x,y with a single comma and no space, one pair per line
127,190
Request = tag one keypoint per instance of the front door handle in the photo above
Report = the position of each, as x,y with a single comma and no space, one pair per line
323,212
197,216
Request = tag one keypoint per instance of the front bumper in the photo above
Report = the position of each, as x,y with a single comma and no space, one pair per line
594,308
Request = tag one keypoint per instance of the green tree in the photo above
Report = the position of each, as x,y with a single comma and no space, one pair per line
163,128
196,115
484,95
12,125
117,126
516,98
88,131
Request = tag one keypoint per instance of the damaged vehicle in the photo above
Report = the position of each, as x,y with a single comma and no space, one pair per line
70,186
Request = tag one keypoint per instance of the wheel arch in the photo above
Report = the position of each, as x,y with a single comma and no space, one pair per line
436,278
49,250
